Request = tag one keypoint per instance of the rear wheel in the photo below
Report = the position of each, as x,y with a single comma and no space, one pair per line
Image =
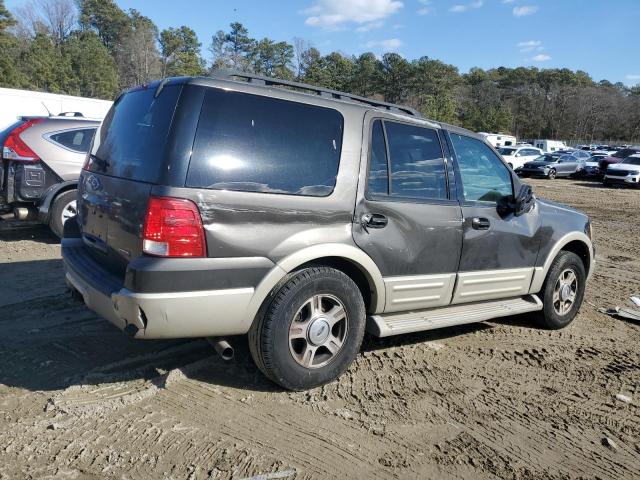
563,291
62,209
552,174
311,331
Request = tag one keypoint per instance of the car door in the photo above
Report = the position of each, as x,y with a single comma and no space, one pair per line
567,165
407,218
499,250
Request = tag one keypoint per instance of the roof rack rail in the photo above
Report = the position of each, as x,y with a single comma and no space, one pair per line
70,114
323,92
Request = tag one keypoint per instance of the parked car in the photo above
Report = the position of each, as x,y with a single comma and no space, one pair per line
551,166
592,165
617,157
627,172
581,154
516,157
41,162
212,207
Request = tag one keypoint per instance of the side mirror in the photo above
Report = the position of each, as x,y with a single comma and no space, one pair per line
522,203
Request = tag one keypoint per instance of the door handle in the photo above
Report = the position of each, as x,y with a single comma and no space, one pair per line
373,220
480,223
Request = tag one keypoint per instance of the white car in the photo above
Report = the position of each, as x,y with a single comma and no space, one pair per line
516,157
627,172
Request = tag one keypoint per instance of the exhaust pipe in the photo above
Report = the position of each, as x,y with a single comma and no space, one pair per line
223,348
24,213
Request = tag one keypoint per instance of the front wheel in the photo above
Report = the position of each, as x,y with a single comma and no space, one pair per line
311,331
552,174
62,209
563,291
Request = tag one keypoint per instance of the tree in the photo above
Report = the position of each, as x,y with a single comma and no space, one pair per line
59,16
45,67
87,55
272,59
232,50
180,50
10,76
136,56
396,77
106,19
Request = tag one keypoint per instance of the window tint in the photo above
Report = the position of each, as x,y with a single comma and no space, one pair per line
378,183
76,140
417,164
484,177
131,141
260,144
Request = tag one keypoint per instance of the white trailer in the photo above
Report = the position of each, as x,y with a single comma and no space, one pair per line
500,139
21,103
549,145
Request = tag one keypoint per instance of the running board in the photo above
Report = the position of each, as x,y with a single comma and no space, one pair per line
385,325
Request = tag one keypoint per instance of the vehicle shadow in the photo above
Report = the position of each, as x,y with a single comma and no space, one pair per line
15,231
591,184
51,342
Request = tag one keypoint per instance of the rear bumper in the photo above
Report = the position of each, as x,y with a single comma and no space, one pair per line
183,314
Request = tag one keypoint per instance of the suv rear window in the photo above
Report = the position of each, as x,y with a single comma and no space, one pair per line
260,144
132,139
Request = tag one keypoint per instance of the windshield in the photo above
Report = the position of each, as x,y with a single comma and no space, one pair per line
132,138
545,158
624,153
631,161
507,151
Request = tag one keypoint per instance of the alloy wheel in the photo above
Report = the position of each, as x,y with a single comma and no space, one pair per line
318,331
69,210
565,292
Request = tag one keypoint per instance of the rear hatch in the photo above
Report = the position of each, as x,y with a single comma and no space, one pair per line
127,158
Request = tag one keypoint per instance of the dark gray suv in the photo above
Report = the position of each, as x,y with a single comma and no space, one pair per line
211,207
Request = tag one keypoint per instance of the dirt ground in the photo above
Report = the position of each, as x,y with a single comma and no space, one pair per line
499,399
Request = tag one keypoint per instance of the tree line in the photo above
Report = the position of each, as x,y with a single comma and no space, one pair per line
94,48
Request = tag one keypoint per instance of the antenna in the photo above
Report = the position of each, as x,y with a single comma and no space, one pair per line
45,107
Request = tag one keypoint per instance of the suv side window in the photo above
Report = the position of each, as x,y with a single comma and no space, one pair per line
378,183
484,177
253,143
76,140
416,162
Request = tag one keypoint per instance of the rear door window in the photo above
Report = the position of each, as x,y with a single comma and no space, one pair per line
253,143
131,140
417,163
76,140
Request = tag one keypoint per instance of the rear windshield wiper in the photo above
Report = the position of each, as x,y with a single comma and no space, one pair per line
102,163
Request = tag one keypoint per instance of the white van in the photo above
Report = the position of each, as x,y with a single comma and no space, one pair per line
550,145
499,139
25,103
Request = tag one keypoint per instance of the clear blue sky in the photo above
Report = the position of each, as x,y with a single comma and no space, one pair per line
601,37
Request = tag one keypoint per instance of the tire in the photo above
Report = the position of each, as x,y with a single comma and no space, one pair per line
285,360
63,205
556,312
552,174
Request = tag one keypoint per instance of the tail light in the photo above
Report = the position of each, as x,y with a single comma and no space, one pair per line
173,228
15,148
